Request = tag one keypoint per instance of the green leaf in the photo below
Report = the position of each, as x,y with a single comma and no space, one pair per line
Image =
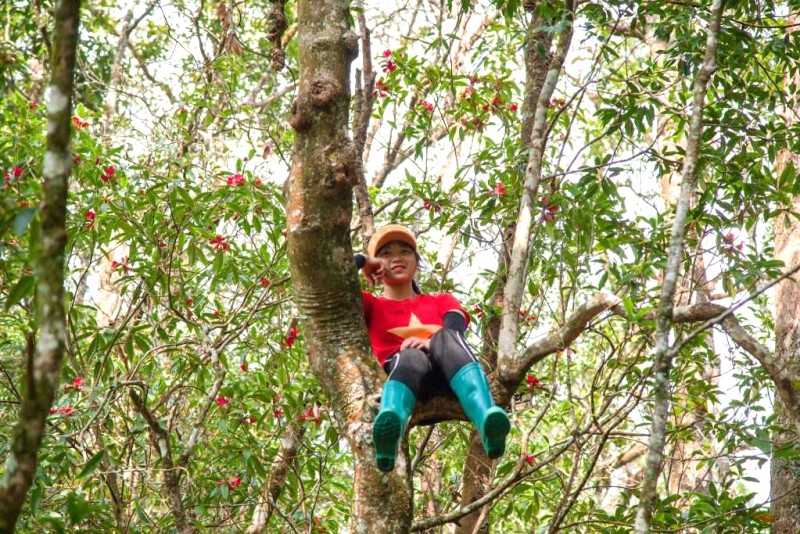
22,289
92,464
23,219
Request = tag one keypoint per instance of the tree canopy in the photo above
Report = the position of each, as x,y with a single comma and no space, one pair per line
609,188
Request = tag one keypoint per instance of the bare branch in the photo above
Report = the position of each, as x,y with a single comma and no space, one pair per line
663,359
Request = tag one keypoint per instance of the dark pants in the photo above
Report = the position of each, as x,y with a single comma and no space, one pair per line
428,374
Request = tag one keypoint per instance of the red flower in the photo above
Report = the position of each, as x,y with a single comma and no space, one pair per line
549,213
65,410
33,105
387,53
234,482
77,160
513,108
77,383
312,414
529,459
264,282
219,244
533,381
108,174
278,413
292,336
182,110
222,402
189,301
427,105
236,180
427,205
257,182
381,89
249,420
243,366
729,238
485,107
16,171
217,314
500,189
122,263
89,216
162,244
53,410
390,66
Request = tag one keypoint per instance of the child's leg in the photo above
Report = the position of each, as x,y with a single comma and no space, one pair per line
449,350
400,392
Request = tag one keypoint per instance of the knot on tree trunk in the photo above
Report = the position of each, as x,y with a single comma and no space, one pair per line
323,90
300,120
342,167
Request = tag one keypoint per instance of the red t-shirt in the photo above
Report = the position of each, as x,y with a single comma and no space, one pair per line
391,321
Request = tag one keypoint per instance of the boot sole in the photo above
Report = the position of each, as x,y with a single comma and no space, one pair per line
386,436
496,427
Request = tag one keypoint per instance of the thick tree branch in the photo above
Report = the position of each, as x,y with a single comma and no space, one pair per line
518,266
282,464
44,365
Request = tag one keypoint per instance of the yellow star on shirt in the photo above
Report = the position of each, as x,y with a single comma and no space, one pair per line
415,328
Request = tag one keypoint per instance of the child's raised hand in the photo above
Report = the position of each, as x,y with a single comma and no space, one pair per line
373,271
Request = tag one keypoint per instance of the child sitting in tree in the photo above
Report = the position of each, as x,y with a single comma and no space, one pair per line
419,341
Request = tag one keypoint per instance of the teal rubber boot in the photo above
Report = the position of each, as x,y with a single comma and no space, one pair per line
472,390
397,402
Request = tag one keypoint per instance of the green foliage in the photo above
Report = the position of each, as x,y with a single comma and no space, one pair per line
179,289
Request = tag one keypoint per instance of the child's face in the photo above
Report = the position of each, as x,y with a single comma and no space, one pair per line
399,263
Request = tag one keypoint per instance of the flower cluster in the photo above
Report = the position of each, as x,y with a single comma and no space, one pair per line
108,174
533,382
76,384
427,105
89,216
219,244
121,264
428,205
15,172
312,414
236,180
728,246
548,210
381,89
290,339
64,410
79,123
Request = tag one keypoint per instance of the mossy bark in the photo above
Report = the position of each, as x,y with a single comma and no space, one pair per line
326,290
45,357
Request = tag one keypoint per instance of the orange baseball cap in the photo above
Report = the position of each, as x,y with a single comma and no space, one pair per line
387,234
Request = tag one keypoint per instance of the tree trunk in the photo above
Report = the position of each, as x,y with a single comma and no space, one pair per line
44,359
319,209
785,472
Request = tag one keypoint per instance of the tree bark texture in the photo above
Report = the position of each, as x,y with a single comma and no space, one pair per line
663,358
44,361
319,208
785,472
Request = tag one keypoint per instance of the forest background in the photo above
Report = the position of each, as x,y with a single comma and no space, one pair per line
609,188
